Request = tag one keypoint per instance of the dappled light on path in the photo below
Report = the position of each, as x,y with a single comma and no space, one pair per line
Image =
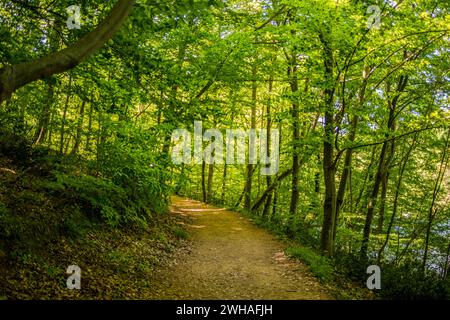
231,258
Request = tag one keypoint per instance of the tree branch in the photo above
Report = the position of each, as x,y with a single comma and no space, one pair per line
276,14
383,141
16,76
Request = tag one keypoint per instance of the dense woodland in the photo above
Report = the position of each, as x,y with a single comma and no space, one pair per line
359,95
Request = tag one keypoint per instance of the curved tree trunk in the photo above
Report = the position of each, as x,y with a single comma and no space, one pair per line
329,170
383,164
433,210
396,197
16,76
349,154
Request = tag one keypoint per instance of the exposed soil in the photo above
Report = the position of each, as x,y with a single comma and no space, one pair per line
231,258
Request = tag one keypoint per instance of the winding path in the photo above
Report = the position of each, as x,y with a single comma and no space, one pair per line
231,258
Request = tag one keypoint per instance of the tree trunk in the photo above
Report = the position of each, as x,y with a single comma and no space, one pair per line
292,75
382,167
268,203
63,123
344,177
384,186
348,154
272,187
396,197
44,120
373,196
89,130
101,139
50,129
274,203
446,266
329,205
210,182
432,211
317,177
204,198
367,177
224,182
380,223
249,174
79,129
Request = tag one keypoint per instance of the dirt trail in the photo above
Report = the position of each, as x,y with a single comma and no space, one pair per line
230,258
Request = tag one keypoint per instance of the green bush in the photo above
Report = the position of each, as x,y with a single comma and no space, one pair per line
320,266
127,194
352,266
130,163
3,209
15,146
98,197
409,282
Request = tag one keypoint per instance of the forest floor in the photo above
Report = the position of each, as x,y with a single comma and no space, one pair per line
196,251
231,258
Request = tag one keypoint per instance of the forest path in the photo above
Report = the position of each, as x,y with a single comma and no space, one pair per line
231,258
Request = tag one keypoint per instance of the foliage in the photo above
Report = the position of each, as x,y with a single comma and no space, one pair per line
408,282
320,266
363,113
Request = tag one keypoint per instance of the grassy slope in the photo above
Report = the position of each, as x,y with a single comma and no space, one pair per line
41,234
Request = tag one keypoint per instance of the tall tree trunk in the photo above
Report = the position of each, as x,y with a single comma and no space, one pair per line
432,210
317,176
79,129
374,195
274,203
173,107
224,182
382,166
446,266
44,119
50,129
210,182
292,75
89,130
396,198
384,186
204,197
368,176
63,123
349,153
275,190
249,174
383,196
270,189
268,203
101,139
344,177
329,205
